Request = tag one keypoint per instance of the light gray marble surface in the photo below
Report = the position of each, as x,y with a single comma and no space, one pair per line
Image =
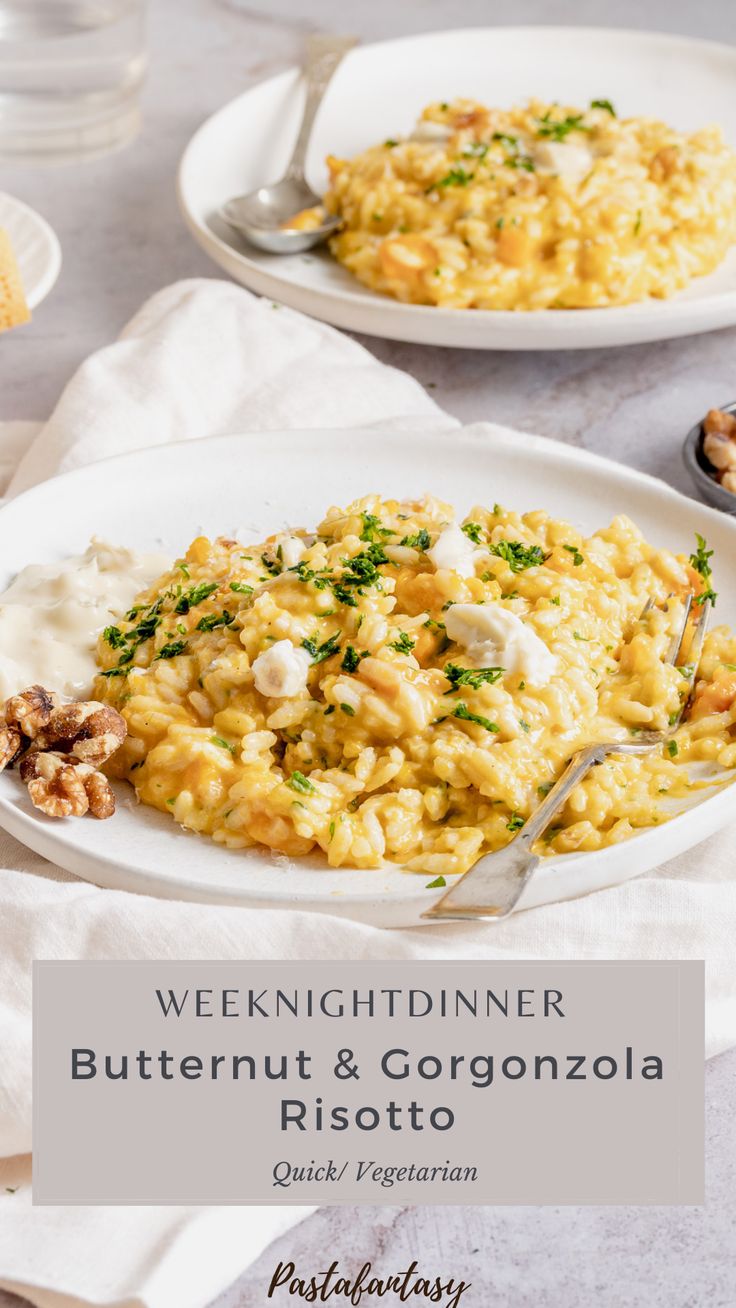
122,240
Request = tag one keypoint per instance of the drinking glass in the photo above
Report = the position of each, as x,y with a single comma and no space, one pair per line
70,76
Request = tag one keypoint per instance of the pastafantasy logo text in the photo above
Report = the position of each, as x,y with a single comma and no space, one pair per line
409,1284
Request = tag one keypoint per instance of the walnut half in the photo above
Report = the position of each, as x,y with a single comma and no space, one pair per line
90,732
60,747
63,787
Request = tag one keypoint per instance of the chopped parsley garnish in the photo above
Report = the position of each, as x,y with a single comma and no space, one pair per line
463,712
519,557
223,744
241,588
577,557
515,158
524,725
437,884
515,822
274,566
373,528
700,561
511,142
298,781
472,677
348,708
214,620
544,790
455,177
183,568
195,595
324,651
403,645
114,637
419,541
475,150
342,594
520,161
577,636
351,659
361,570
560,129
672,748
389,144
473,531
439,629
171,650
603,104
637,224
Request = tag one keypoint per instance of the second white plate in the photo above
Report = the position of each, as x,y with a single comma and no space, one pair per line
35,245
260,482
378,93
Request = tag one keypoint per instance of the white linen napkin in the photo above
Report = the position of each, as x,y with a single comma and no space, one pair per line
205,358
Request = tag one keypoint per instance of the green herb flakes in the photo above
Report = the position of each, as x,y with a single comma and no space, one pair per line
519,557
700,561
472,677
463,712
403,645
298,781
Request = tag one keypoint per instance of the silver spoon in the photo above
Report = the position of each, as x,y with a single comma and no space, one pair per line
261,216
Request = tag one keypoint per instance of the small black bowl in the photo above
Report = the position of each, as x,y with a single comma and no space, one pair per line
702,472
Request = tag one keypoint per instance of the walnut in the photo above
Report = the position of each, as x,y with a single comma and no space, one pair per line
11,743
89,732
62,746
63,787
54,785
30,710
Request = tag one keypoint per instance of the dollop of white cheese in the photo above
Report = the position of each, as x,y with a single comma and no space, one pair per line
453,550
428,132
495,637
292,549
281,670
566,160
52,614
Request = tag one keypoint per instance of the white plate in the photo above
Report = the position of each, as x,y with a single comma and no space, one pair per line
378,92
35,245
164,497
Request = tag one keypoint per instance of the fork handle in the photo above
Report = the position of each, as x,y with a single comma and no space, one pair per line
324,53
492,887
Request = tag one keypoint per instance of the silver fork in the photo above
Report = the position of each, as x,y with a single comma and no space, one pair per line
492,887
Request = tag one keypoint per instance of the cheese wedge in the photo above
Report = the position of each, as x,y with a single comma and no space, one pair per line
13,307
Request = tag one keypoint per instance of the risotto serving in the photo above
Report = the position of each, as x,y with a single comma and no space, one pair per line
402,686
538,207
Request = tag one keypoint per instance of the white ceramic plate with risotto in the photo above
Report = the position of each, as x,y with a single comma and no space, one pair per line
259,483
378,94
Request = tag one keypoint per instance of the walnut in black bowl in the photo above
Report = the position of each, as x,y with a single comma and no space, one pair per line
710,457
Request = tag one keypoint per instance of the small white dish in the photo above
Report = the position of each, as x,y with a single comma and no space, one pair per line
162,497
378,93
35,245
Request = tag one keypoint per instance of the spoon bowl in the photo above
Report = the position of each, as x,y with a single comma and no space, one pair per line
263,216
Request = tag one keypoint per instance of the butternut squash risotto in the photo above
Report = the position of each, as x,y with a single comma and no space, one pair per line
538,207
402,686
